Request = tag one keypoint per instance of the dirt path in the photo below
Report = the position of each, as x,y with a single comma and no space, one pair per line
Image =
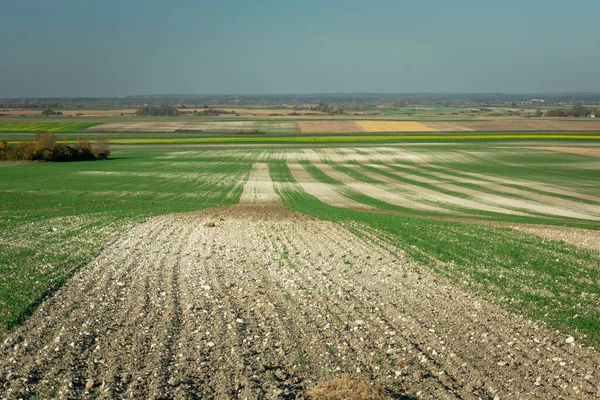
266,305
259,187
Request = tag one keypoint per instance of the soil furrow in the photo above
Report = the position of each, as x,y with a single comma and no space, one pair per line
266,304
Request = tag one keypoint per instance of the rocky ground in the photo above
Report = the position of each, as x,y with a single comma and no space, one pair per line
258,302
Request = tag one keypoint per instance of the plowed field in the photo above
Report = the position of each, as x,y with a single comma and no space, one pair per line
266,305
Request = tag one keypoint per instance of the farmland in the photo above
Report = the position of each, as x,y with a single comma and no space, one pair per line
47,126
317,254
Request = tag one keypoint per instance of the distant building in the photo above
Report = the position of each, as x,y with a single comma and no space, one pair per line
536,101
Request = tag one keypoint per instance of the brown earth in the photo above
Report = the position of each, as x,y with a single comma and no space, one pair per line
328,127
267,304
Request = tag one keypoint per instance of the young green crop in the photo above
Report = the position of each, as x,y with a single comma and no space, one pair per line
544,280
48,126
56,216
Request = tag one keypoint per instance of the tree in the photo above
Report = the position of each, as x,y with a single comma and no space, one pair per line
398,103
162,110
579,111
102,148
45,140
50,111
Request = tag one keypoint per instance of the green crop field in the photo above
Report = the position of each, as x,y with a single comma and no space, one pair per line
55,216
47,126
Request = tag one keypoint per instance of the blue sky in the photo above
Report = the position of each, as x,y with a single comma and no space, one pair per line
126,47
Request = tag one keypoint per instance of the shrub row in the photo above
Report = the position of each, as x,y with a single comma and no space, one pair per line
45,148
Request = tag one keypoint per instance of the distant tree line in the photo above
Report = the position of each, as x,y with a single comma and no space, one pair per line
45,148
30,104
332,109
344,100
576,111
213,112
162,110
50,111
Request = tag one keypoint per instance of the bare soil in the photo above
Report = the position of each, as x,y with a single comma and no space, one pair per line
328,127
268,304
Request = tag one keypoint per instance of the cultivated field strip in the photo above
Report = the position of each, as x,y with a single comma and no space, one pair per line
394,126
585,151
259,187
324,192
519,205
527,196
410,180
175,309
524,184
509,190
377,192
432,194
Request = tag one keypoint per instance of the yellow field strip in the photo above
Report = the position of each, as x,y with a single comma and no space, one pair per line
394,126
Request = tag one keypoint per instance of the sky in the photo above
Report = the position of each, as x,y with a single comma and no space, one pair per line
76,48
